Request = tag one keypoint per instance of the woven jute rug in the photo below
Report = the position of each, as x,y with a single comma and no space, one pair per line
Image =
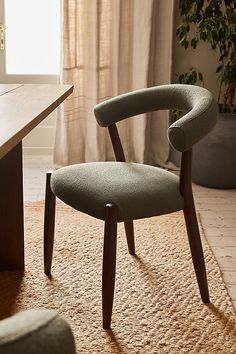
157,306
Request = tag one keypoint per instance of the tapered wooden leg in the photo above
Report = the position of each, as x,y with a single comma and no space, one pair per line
129,230
196,250
49,224
109,263
192,224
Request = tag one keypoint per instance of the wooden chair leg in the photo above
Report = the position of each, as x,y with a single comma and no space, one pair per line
192,224
49,224
129,230
196,249
109,263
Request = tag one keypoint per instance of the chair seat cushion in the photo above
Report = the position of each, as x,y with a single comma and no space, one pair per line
138,190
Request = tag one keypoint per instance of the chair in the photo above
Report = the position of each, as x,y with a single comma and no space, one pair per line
36,331
122,192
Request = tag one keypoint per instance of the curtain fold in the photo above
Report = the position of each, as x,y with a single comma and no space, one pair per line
112,47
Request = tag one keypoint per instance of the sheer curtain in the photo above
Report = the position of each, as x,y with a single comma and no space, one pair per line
111,47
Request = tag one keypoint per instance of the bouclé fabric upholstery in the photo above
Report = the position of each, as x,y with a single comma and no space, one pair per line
198,104
138,190
36,331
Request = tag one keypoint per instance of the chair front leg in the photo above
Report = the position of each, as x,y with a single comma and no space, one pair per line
129,230
109,263
49,225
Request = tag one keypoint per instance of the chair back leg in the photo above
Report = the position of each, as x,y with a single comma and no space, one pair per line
196,248
109,263
129,230
192,224
49,225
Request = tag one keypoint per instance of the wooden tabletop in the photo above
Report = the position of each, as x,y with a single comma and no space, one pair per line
23,107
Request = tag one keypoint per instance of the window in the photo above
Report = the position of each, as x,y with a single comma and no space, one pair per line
32,37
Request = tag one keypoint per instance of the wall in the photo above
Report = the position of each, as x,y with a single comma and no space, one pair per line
203,58
41,140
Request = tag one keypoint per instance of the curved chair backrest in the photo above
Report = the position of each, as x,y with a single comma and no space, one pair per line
202,110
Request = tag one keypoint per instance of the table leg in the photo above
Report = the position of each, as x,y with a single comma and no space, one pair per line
11,210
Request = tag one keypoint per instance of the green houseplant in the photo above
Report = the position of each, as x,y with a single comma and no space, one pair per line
213,22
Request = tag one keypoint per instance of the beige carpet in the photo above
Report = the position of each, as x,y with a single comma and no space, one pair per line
157,307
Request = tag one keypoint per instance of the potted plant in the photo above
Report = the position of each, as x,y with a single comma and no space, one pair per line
214,22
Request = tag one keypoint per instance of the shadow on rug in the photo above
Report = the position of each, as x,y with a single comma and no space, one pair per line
157,306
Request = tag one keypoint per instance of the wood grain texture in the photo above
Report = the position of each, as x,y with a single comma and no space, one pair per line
109,263
6,88
192,225
11,211
22,108
49,224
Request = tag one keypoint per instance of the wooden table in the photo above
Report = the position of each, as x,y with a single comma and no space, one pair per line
22,108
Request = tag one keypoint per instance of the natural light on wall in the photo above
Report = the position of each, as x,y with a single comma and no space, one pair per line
32,37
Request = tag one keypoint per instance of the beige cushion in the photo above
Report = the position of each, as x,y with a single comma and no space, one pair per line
139,191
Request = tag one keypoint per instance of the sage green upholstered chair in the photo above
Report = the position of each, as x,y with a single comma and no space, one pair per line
34,331
122,192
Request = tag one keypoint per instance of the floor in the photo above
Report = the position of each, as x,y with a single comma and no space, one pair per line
217,209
